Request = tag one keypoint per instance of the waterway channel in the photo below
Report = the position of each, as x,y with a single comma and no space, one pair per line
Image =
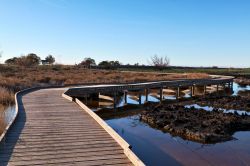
155,147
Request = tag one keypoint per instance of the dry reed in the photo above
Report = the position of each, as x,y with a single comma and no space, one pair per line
14,78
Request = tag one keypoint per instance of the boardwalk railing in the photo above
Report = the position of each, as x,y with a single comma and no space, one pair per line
81,91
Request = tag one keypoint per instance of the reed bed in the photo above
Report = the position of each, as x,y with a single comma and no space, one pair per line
2,116
15,78
6,96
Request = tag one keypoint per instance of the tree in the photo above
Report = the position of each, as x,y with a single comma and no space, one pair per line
104,64
109,64
115,63
88,62
50,59
11,61
32,60
160,61
28,60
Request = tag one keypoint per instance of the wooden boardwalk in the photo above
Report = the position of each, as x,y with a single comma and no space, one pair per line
50,130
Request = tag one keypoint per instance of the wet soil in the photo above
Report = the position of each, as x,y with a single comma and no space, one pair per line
195,124
242,81
226,102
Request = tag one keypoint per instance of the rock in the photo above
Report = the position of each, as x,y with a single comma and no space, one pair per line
196,124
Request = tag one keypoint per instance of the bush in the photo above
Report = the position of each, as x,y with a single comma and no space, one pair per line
28,60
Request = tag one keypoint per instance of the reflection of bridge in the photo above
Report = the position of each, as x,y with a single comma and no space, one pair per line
50,130
144,88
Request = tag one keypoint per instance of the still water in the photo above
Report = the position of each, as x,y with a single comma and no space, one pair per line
6,115
155,147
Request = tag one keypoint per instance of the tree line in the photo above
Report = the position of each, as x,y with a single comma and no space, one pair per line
34,60
89,62
155,60
30,60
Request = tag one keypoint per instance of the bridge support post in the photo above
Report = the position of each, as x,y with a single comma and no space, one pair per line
178,93
192,91
98,99
146,95
232,86
126,97
205,89
217,88
140,98
161,96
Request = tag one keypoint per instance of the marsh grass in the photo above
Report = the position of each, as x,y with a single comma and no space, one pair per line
15,78
2,117
6,96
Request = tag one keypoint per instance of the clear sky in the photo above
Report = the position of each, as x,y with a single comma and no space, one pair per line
189,32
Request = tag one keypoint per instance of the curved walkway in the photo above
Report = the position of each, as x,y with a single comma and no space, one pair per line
50,130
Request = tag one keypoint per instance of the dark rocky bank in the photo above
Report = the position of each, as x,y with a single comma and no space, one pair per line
226,102
196,124
242,81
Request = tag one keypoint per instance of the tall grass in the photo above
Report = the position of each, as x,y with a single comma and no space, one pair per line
6,96
2,122
15,78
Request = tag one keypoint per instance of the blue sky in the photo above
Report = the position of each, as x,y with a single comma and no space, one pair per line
189,32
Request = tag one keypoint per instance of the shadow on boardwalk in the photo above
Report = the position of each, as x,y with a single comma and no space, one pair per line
12,137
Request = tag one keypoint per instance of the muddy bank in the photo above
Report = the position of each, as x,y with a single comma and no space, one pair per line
242,81
196,124
244,93
226,102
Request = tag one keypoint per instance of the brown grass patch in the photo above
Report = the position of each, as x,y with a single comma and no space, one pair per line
6,96
15,78
2,123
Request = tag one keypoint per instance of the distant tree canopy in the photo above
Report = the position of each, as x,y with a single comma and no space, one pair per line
160,61
88,62
11,61
50,59
28,60
109,64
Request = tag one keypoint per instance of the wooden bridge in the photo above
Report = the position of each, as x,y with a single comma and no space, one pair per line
144,88
50,130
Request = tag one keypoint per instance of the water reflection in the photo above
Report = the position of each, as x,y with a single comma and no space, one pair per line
209,108
6,115
239,89
155,147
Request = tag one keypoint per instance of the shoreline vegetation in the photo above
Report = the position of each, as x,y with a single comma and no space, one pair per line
14,78
2,121
173,118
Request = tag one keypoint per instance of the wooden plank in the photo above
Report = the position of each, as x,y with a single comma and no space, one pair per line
51,130
47,124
